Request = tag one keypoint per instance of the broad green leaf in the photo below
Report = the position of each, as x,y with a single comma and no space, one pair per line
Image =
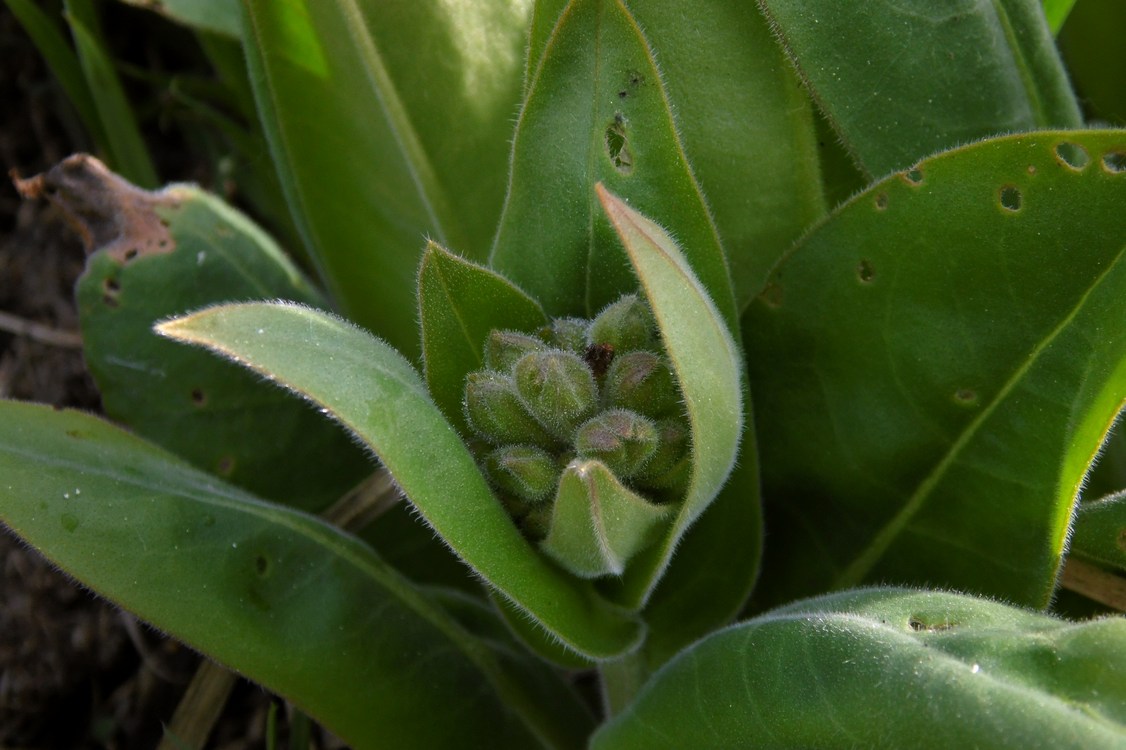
937,364
153,255
63,62
368,387
279,596
1100,531
1056,13
902,79
597,110
745,123
598,523
459,303
888,668
705,361
215,16
389,123
128,153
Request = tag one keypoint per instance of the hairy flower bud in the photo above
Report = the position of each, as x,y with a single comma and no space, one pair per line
568,334
670,466
641,382
528,472
625,325
558,390
504,348
622,439
495,411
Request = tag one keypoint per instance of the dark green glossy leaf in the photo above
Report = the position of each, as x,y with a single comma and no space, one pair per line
459,303
280,596
888,668
1090,43
707,366
937,364
159,254
1056,13
389,123
376,394
128,153
577,128
902,79
1100,531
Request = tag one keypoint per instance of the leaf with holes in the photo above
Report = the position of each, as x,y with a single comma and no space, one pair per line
937,364
379,397
409,138
887,668
575,130
153,255
902,79
745,123
459,303
277,595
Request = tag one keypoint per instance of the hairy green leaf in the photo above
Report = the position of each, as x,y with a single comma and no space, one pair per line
597,110
275,594
389,123
376,394
705,361
459,303
936,366
902,79
1100,531
888,668
153,255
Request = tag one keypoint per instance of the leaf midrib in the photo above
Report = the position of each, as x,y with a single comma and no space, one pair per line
859,568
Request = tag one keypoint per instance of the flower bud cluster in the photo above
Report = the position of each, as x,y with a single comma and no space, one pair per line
596,389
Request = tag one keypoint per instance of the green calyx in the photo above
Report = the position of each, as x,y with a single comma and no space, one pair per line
582,422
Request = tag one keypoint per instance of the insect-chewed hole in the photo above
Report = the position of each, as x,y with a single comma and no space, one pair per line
1114,162
617,145
199,398
132,253
913,176
881,201
261,565
965,397
772,295
920,625
1073,155
865,272
1010,198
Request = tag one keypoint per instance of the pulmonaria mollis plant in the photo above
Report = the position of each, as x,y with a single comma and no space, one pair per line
924,314
579,398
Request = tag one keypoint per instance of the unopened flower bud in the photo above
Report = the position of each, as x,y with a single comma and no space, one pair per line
558,390
525,471
503,348
622,439
568,334
671,464
642,382
495,411
625,325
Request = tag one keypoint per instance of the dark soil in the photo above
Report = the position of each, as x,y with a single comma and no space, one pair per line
75,672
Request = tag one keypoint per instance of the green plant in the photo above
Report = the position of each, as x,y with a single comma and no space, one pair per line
917,380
